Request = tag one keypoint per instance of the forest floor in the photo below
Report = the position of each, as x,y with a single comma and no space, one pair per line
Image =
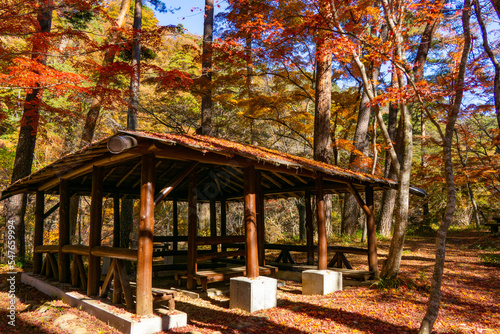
470,299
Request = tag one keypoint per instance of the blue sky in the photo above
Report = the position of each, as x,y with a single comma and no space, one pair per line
190,14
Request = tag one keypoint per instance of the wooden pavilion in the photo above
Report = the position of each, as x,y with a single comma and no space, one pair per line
192,168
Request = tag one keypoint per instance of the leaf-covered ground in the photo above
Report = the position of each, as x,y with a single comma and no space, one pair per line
470,303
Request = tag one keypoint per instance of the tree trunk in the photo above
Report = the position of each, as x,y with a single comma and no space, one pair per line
126,221
435,294
356,163
127,204
393,262
206,101
389,195
109,56
301,208
491,54
323,93
418,72
136,68
95,108
15,206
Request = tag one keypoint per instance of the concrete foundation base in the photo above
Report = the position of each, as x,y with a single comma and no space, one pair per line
125,322
172,319
321,282
253,294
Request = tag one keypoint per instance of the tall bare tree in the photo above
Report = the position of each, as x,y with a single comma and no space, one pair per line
491,54
447,138
206,100
323,89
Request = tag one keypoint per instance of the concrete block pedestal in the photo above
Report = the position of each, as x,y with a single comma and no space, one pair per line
321,282
172,319
253,294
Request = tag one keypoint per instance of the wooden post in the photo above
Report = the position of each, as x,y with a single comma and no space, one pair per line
38,237
117,288
116,220
223,221
213,222
144,296
321,217
63,258
252,255
175,217
309,229
192,229
372,235
261,229
95,231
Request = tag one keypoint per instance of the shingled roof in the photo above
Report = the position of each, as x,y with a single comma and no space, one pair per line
220,167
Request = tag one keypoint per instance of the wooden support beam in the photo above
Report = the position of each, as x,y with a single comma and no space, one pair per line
175,216
223,221
261,228
64,265
309,229
358,198
321,218
213,222
279,176
51,211
109,173
220,240
175,182
299,178
76,172
252,255
131,170
372,235
144,297
192,229
270,179
38,235
116,220
94,271
116,253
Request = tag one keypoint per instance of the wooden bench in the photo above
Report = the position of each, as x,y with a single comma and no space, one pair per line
204,277
77,269
49,265
161,295
494,226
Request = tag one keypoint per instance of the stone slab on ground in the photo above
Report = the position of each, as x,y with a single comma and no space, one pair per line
123,321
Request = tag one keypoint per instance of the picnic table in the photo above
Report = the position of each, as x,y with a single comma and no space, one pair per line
494,226
338,261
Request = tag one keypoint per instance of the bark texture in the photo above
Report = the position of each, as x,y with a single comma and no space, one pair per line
491,54
435,294
361,144
389,195
15,206
206,100
136,68
322,140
